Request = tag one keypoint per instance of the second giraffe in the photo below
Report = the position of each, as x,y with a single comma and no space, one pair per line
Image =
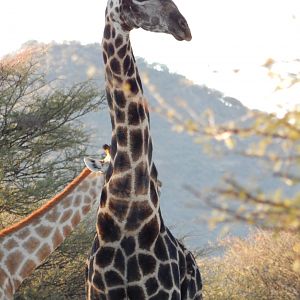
134,255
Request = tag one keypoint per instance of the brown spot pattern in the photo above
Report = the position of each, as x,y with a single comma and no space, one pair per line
67,202
57,239
43,252
13,261
3,277
83,187
87,199
77,200
27,268
93,193
23,234
86,209
75,219
10,244
17,283
66,216
31,244
118,208
43,231
52,215
67,230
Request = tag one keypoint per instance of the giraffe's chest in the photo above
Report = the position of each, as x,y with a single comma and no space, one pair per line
135,270
120,219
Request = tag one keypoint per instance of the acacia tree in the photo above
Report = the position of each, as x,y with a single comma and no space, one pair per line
276,142
42,140
261,136
42,143
267,139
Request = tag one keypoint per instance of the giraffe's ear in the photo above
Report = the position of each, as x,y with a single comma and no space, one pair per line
95,165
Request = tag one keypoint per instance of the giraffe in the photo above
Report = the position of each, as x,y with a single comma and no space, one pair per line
134,255
25,245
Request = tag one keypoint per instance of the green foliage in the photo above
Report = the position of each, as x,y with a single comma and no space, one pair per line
42,144
42,141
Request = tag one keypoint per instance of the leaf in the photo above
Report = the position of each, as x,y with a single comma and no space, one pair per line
296,266
268,63
296,248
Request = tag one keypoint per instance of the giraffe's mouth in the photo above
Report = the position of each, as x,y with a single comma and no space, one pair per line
179,27
188,37
183,36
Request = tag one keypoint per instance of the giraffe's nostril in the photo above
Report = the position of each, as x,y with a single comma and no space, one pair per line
182,24
183,30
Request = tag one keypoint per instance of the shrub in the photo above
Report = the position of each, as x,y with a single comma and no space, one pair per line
261,266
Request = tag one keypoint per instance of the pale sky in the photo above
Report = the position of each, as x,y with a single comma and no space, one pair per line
228,35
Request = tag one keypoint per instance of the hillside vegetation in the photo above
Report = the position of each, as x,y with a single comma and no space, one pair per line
260,266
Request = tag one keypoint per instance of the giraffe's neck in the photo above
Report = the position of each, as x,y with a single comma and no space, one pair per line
27,244
130,196
131,141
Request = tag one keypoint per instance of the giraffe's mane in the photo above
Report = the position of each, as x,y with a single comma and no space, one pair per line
44,208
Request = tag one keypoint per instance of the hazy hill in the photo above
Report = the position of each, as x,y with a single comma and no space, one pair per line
178,159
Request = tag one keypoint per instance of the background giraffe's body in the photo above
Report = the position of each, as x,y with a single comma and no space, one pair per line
25,245
134,256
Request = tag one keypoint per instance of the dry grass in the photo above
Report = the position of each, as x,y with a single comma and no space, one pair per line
261,266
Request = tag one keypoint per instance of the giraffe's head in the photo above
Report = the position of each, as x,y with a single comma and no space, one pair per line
152,15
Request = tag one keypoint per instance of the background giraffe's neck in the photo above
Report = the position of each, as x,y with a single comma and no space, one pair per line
27,244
